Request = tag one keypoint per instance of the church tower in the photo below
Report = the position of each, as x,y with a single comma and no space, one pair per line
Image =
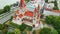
36,17
22,4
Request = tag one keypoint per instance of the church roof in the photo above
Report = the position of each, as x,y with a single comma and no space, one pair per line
17,12
20,15
28,13
35,10
14,16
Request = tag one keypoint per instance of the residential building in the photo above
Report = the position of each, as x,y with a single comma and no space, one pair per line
53,12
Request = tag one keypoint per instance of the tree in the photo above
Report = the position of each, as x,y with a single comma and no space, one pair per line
17,31
1,11
29,28
55,5
27,1
34,32
46,1
5,31
11,18
54,21
10,32
55,8
22,27
45,31
48,31
6,8
42,16
54,31
49,19
1,26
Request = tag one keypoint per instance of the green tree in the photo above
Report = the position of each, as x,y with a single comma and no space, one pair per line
29,28
46,1
54,31
55,5
17,31
1,11
45,31
42,16
34,32
55,8
48,31
6,8
5,31
55,22
10,32
22,27
27,1
49,19
2,26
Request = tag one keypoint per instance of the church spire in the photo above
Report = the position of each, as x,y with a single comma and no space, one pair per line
35,10
38,6
22,3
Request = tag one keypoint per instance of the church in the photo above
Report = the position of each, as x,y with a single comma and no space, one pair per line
29,16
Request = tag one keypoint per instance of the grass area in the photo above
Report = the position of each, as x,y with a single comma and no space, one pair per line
9,23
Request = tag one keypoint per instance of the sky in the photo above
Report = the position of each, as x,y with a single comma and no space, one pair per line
6,2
